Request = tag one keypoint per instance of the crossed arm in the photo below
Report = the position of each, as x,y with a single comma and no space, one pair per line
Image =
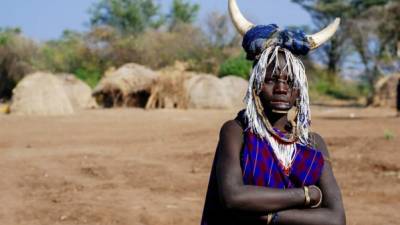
254,202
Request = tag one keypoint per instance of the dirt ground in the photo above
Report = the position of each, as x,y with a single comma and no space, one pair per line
130,166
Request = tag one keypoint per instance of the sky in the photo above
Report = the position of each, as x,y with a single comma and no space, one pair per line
44,20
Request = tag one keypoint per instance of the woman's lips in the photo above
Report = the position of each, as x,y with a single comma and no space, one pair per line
279,102
280,99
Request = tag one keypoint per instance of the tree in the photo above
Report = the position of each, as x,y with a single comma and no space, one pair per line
361,25
389,29
322,13
218,29
182,12
127,16
375,32
237,66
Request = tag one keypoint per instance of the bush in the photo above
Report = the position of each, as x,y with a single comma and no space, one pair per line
16,54
238,66
91,76
321,83
389,135
157,49
73,53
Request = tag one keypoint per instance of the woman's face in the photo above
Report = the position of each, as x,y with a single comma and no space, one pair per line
277,93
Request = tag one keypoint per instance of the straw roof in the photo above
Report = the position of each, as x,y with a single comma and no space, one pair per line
78,92
169,90
40,94
182,89
236,88
386,91
129,85
206,91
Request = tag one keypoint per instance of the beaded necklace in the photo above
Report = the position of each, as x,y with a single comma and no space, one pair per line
283,145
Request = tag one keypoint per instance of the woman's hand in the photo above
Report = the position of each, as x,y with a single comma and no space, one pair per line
315,195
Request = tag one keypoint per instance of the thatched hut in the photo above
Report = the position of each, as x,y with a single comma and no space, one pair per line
78,92
182,89
169,91
236,88
40,94
129,85
386,91
207,91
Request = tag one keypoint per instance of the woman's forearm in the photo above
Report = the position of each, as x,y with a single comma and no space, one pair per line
325,216
262,199
318,216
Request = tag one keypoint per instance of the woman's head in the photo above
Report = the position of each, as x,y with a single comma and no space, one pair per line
278,94
277,81
277,85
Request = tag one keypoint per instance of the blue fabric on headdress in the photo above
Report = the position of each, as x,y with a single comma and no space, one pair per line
255,40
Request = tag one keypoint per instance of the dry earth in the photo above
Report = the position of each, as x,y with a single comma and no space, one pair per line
129,166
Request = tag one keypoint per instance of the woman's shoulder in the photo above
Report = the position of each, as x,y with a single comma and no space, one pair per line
317,142
235,126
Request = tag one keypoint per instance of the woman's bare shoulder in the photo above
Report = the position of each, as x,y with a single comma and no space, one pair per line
318,143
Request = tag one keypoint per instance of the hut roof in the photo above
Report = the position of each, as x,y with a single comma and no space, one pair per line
78,92
130,78
169,90
236,88
206,91
386,91
40,93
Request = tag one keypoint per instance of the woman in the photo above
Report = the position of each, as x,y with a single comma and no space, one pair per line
269,169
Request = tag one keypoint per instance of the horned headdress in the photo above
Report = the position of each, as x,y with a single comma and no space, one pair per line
262,44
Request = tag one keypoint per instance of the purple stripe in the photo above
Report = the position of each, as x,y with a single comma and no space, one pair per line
270,171
255,160
245,165
309,169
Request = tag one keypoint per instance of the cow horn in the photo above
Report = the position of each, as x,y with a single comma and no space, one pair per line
240,22
324,35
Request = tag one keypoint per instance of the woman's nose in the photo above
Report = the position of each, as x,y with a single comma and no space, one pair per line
281,87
